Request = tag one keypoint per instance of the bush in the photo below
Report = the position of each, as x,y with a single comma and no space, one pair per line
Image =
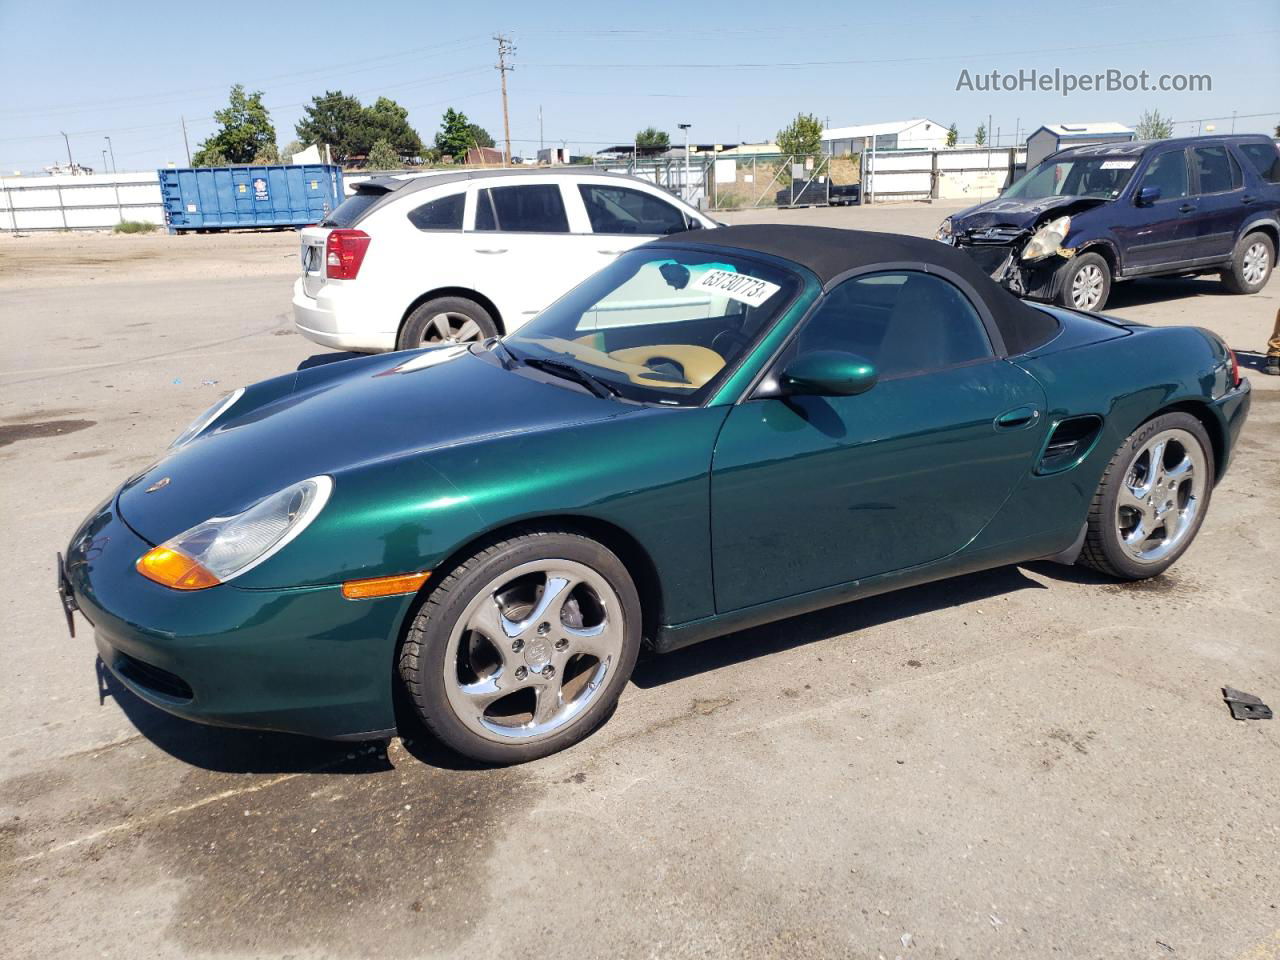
134,226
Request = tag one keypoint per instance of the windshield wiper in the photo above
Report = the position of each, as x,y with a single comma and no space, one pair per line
567,371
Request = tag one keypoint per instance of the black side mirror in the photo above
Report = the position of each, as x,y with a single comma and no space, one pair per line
1147,196
828,373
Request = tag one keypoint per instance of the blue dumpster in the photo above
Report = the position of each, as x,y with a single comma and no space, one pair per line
226,198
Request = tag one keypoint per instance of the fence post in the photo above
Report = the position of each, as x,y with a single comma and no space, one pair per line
933,176
62,207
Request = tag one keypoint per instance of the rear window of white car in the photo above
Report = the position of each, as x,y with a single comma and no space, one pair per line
444,213
535,208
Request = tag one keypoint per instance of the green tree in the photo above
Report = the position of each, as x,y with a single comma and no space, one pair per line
387,120
268,154
980,138
953,134
802,136
479,136
653,138
337,120
246,130
455,136
382,156
1153,125
289,149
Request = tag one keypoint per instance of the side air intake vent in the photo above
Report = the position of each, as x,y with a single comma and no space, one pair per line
1068,443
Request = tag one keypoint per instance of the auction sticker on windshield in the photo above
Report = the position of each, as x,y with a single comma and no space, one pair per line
749,290
1117,164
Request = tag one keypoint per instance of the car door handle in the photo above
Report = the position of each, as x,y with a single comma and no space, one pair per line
1247,199
1187,208
491,250
1017,417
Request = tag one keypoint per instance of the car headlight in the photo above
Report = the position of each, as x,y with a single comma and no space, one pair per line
944,231
222,548
1048,239
206,418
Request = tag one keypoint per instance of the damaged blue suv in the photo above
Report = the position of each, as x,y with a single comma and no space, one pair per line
1090,216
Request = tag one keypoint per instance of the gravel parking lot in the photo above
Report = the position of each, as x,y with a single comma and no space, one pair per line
1029,762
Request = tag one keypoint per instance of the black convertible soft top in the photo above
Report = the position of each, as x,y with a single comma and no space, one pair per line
829,253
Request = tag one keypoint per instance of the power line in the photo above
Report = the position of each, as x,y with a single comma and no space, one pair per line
774,65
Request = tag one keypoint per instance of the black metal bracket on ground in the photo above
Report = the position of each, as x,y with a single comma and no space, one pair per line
1245,706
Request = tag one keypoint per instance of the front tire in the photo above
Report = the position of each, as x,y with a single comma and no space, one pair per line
524,647
1152,499
1251,264
1086,282
446,320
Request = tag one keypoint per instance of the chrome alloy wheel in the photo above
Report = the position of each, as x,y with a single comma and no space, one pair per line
1086,287
1254,267
1161,495
532,651
450,327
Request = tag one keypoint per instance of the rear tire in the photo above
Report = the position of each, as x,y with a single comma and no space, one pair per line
1151,500
1251,264
1086,282
524,647
446,320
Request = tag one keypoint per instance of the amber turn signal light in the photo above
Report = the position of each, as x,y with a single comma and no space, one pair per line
173,568
384,586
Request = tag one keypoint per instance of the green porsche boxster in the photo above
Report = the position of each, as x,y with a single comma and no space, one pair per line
720,429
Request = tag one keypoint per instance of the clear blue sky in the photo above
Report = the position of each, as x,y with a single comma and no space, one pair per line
736,71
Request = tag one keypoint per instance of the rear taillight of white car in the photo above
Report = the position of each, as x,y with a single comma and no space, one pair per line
344,252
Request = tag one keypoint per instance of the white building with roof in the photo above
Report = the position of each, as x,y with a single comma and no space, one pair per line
1053,137
917,134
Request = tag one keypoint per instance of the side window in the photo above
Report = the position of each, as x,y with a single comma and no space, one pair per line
535,208
903,321
442,214
1217,169
1265,158
1168,171
622,210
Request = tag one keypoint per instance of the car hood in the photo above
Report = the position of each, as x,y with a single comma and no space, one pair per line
395,408
1016,212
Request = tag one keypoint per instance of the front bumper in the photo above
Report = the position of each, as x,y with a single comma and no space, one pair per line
304,660
1032,280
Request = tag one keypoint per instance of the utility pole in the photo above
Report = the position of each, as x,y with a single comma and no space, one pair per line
541,147
184,140
505,49
105,168
114,168
70,162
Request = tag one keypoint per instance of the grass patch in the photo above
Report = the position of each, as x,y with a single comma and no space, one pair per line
134,226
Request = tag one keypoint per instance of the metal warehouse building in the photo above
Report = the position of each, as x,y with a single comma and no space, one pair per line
918,134
1058,136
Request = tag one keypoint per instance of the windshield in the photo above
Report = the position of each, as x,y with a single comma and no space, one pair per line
1097,176
659,325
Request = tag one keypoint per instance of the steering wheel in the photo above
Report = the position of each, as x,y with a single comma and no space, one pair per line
728,342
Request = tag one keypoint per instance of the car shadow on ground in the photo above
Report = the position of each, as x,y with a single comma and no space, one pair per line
783,635
227,750
320,359
1138,293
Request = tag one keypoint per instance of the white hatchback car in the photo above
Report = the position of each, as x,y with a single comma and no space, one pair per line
465,256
